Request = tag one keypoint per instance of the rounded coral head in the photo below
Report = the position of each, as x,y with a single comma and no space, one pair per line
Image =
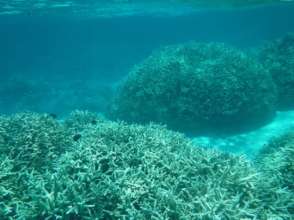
198,88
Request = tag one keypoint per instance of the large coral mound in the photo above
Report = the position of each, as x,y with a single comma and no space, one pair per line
278,56
199,88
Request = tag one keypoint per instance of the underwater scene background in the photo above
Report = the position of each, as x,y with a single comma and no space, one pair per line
177,109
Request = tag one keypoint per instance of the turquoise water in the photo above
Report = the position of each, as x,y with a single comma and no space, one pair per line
215,79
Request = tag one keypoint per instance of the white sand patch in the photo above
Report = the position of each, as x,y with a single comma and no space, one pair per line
250,143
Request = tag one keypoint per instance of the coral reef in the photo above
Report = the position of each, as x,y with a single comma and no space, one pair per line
29,145
32,140
276,164
78,120
198,88
278,57
139,172
120,171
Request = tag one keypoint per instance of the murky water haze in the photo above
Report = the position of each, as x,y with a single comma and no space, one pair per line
105,48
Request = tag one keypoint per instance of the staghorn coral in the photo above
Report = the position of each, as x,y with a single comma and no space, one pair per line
120,171
29,145
15,193
276,163
198,88
278,57
32,140
78,120
8,186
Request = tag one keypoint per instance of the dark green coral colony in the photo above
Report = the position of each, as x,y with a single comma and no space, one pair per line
198,88
278,56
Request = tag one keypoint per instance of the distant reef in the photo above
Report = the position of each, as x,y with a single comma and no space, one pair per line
87,167
19,93
278,57
199,88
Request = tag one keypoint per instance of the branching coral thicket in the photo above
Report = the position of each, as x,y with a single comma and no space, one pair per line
120,171
8,186
199,88
29,145
32,140
78,120
276,163
278,56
